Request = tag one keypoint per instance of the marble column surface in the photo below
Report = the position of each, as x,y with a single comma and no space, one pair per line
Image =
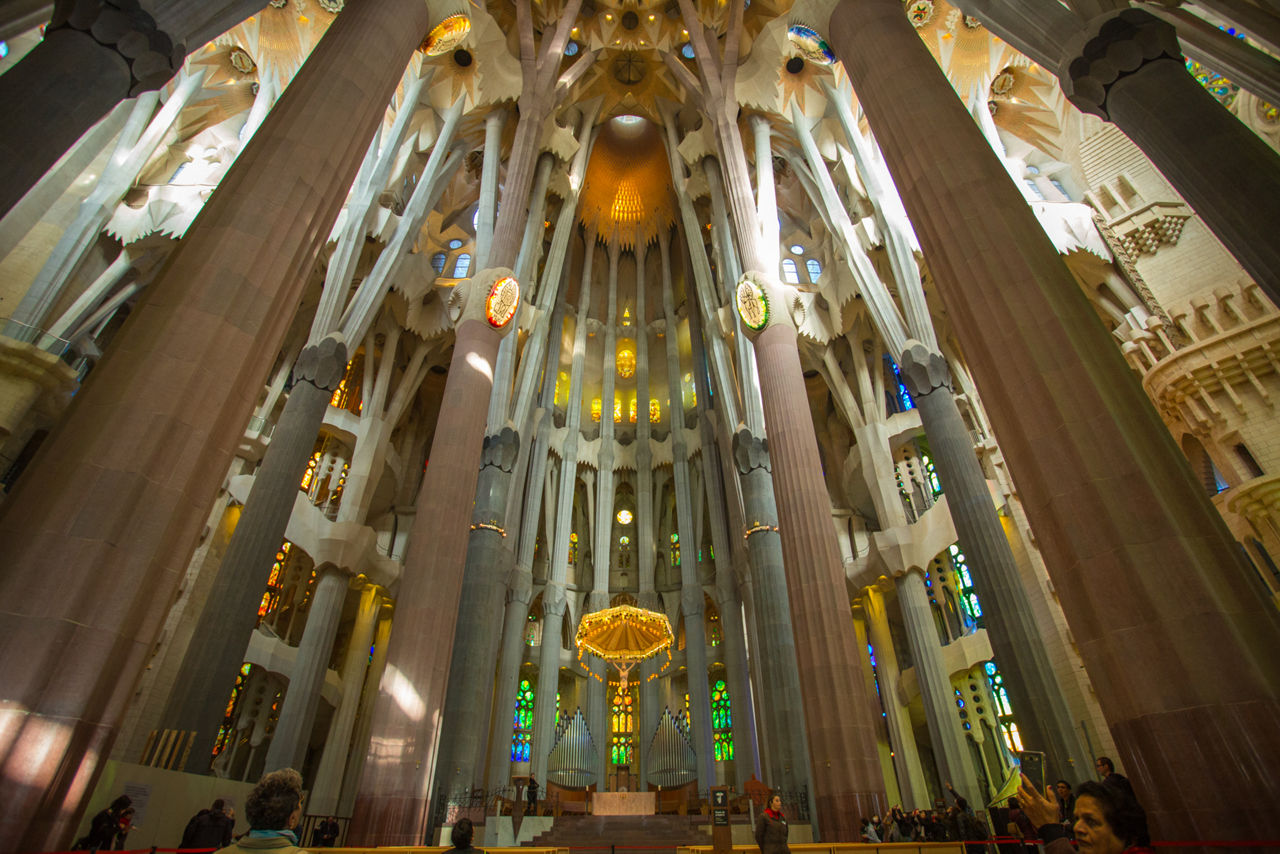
98,532
1176,640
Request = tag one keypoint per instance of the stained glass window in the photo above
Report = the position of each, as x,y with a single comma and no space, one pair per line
310,474
573,547
623,724
655,411
437,262
462,266
675,549
814,268
595,410
522,734
1213,82
722,721
713,628
790,274
562,389
617,410
964,586
904,401
632,414
229,716
931,475
1004,712
275,581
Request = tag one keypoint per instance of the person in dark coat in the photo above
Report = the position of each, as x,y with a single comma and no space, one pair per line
1107,771
462,834
771,830
531,794
209,828
104,827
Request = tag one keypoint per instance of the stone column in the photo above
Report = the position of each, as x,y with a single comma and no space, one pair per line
392,807
99,530
902,741
781,704
1015,639
949,749
298,713
92,56
225,624
1105,487
766,194
1129,71
488,206
364,718
692,598
327,787
842,746
475,645
519,596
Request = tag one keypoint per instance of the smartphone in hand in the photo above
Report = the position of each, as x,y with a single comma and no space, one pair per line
1032,762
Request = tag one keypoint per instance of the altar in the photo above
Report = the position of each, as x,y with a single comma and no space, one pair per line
623,803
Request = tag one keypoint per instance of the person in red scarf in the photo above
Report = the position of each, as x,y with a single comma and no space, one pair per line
771,830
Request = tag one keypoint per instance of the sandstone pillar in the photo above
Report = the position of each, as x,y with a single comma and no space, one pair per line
1181,657
99,530
845,766
392,806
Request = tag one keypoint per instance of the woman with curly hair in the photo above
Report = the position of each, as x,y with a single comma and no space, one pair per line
1108,820
273,809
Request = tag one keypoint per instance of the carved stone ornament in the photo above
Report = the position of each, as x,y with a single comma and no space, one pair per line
334,6
500,450
323,364
241,60
1120,46
123,27
923,370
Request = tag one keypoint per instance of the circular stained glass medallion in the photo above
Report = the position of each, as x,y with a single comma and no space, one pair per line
446,35
810,45
504,299
753,304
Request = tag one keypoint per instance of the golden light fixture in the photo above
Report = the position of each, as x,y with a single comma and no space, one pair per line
625,359
623,636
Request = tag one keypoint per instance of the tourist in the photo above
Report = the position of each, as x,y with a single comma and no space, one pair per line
1108,820
1107,771
463,832
532,795
123,825
273,808
1066,803
209,828
771,830
869,831
325,834
104,827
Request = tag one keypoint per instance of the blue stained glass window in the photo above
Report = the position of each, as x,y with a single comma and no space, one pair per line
968,597
814,268
686,50
462,265
790,274
572,48
522,734
438,261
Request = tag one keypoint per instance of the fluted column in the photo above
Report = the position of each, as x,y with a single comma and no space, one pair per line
519,590
391,808
364,718
298,712
845,766
781,704
1130,71
1015,639
328,781
902,741
209,668
475,645
1105,487
949,749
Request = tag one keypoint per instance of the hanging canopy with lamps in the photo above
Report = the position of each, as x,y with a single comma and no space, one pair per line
623,636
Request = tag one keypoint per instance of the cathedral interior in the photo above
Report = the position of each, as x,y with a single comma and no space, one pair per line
889,386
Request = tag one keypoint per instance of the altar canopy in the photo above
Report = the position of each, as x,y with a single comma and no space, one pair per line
624,635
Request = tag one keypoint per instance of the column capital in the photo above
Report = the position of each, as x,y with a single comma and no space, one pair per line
500,450
1114,47
750,452
693,601
554,599
519,585
923,370
124,28
323,364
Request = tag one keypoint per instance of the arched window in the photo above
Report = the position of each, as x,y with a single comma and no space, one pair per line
722,721
623,725
437,262
964,586
1250,464
573,547
790,274
1004,712
522,732
814,268
462,266
675,549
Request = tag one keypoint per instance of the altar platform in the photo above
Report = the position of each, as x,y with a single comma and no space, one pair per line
624,803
